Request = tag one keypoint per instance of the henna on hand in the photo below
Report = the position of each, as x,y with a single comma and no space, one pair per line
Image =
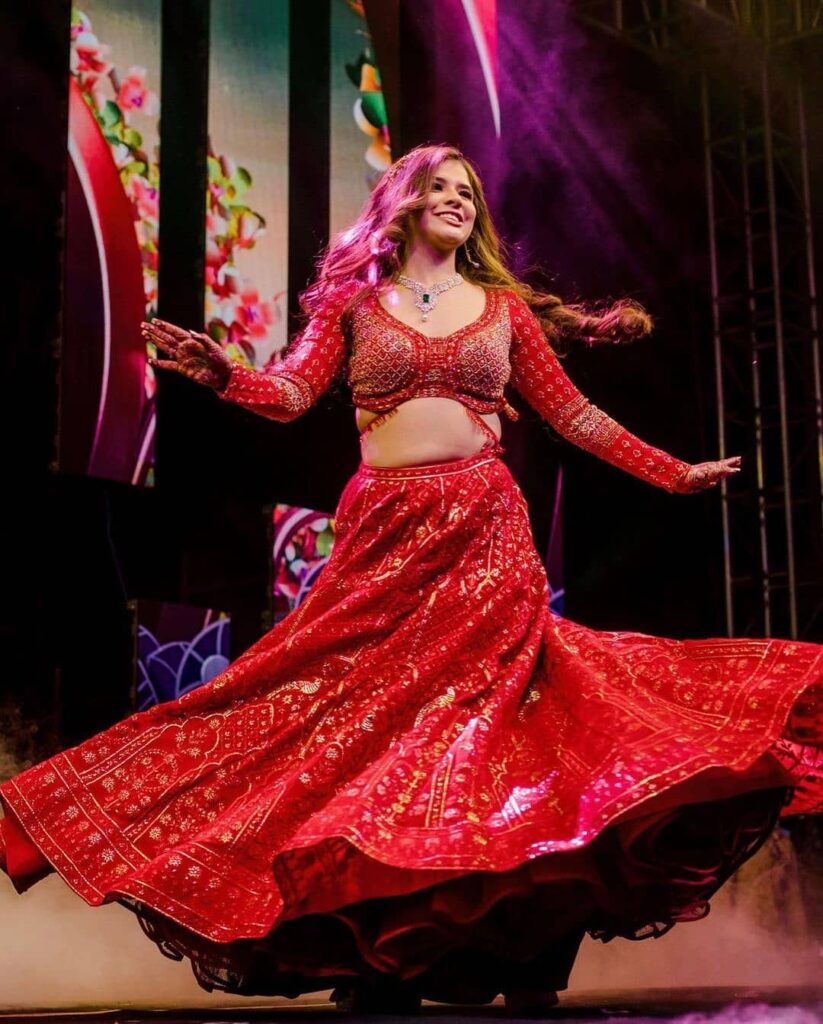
707,474
194,355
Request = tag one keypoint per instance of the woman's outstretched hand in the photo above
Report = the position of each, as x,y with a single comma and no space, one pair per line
194,355
707,474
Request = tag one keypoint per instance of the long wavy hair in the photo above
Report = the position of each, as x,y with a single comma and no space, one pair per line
373,250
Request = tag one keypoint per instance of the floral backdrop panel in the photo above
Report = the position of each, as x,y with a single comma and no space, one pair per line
247,202
106,426
359,126
302,540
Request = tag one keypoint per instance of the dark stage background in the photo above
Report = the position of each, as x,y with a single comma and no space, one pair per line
595,172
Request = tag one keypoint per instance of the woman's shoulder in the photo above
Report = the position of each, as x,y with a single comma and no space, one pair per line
506,296
342,292
504,291
326,296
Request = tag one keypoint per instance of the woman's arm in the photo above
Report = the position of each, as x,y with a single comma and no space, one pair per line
539,377
281,392
287,389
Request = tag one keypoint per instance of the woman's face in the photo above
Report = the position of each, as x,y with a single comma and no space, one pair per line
447,219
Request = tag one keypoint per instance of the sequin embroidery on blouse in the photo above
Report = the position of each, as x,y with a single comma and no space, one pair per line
392,362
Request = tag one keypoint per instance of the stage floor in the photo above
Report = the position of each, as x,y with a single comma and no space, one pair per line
785,1005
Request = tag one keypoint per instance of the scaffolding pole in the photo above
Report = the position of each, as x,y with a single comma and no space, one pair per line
765,324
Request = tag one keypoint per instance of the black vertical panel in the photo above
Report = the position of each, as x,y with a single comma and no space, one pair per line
326,436
182,238
182,407
418,50
34,49
183,171
309,140
34,57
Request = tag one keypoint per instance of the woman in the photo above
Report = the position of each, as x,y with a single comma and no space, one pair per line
422,783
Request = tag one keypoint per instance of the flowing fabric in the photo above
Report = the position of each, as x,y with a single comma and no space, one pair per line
424,772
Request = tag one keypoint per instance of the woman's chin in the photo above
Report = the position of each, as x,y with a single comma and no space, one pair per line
446,241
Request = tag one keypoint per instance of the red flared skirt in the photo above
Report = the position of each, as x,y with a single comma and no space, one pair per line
422,771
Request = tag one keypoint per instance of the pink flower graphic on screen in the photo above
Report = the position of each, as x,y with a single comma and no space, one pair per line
89,57
222,278
79,23
235,314
254,315
145,198
115,102
232,335
216,226
248,229
228,166
150,261
133,93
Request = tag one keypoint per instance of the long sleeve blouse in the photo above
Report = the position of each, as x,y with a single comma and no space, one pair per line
388,362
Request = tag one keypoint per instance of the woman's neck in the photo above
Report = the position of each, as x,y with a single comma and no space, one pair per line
428,265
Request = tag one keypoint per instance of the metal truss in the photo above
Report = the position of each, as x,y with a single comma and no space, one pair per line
737,56
654,25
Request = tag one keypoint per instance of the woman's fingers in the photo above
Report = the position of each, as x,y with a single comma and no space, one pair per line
195,355
212,348
708,474
161,339
183,344
174,335
180,333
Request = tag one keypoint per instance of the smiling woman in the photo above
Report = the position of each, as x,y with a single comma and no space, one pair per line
432,429
422,783
450,204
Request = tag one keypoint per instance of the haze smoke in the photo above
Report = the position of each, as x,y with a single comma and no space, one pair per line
757,935
757,1013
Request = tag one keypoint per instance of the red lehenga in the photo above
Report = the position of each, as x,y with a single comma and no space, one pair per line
422,772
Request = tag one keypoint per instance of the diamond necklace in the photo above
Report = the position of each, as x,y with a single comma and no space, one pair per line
426,298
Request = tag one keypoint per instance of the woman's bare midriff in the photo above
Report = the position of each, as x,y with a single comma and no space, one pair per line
423,430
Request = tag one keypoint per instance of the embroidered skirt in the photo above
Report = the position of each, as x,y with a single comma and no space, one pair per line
422,772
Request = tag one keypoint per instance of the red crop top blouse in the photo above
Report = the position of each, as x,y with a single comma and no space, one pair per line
387,362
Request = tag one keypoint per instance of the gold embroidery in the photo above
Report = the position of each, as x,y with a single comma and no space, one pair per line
391,362
586,425
443,701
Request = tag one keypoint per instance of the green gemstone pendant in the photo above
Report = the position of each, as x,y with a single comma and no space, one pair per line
426,298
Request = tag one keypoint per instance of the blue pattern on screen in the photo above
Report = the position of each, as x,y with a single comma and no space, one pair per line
167,671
